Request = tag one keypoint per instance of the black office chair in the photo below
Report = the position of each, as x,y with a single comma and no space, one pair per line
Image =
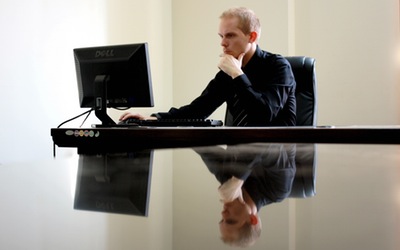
306,90
306,102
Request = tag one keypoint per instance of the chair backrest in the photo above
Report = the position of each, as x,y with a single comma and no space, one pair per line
306,89
303,185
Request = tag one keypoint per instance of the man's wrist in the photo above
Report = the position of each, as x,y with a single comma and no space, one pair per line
236,74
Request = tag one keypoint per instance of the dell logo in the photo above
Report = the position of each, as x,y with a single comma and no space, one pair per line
104,53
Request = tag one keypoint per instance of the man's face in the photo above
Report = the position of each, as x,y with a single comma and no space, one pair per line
233,40
234,215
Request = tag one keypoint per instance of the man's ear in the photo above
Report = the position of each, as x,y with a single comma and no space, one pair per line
253,219
253,36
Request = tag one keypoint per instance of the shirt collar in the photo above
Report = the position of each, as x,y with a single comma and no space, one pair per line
257,54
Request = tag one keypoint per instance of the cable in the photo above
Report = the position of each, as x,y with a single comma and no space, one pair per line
86,112
90,111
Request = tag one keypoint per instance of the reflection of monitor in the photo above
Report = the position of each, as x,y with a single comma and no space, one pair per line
114,183
115,76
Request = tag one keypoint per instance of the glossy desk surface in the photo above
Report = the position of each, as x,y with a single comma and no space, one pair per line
322,196
355,203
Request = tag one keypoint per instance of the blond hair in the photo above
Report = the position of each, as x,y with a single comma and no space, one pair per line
247,235
248,21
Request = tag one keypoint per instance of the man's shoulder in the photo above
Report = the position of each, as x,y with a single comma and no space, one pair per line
272,57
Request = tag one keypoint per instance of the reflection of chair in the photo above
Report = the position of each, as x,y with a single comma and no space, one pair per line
304,181
306,94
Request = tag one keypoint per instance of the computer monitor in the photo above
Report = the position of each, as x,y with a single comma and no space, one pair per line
116,76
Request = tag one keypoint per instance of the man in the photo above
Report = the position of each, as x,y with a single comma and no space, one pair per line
258,86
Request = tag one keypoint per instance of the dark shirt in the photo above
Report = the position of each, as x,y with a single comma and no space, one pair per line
266,91
272,175
267,170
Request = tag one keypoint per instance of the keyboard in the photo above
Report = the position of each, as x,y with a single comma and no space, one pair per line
184,122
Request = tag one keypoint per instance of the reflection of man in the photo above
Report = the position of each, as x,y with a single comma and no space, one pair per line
251,176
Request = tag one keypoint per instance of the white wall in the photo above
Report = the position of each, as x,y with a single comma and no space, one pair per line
37,79
38,82
355,45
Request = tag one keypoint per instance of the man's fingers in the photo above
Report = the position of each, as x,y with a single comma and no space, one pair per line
127,115
240,58
123,116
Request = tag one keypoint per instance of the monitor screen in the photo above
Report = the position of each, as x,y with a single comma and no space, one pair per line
116,76
114,182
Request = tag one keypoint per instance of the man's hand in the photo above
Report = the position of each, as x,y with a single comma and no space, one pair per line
231,190
128,115
230,65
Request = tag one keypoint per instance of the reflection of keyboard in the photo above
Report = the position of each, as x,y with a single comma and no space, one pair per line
192,122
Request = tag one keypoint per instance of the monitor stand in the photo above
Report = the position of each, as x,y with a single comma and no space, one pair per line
100,95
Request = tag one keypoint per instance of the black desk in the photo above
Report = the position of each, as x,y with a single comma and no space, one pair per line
128,138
